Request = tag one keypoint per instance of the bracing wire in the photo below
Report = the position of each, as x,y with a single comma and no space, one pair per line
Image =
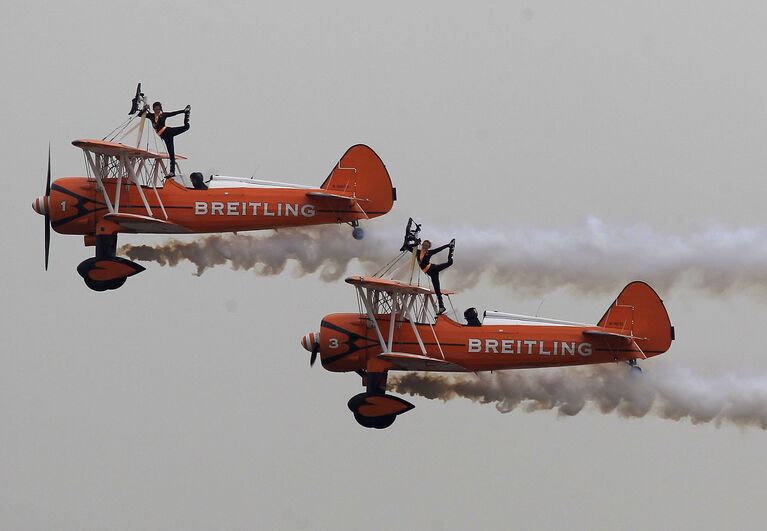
114,133
389,265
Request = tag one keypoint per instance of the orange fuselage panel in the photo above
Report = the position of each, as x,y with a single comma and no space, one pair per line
347,343
77,207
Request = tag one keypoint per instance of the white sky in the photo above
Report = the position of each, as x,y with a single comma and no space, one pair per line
187,403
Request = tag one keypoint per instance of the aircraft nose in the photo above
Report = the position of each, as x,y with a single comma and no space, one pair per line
309,340
40,205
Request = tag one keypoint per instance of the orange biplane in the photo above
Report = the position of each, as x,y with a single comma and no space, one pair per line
127,189
397,329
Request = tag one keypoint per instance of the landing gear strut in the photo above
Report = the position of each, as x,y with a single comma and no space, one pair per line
635,368
106,270
374,408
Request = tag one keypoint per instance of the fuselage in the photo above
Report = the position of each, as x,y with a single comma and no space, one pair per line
76,206
347,343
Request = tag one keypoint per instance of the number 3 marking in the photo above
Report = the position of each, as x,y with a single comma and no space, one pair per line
333,343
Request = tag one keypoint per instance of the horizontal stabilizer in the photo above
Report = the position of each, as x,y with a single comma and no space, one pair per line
602,333
624,347
416,362
144,224
326,195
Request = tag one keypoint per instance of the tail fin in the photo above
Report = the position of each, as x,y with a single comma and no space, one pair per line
362,174
639,312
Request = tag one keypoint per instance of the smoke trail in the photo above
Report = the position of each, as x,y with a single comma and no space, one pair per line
668,394
591,258
324,249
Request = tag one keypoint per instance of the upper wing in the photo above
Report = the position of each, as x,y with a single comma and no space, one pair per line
144,224
390,286
115,149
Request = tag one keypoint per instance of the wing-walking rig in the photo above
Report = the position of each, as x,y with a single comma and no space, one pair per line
128,188
398,327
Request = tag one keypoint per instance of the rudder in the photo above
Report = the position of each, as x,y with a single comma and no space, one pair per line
362,174
639,311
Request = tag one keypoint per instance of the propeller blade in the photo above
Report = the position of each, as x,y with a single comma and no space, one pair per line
47,239
47,214
48,180
315,351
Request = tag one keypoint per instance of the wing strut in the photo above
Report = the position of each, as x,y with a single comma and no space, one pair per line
402,304
99,181
367,300
132,175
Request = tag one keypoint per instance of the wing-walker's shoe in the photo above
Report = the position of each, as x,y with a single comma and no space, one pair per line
441,309
452,248
187,112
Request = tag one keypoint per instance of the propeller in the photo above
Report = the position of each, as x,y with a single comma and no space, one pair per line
311,342
47,210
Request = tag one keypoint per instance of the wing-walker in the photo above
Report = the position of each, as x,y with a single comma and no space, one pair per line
127,189
397,328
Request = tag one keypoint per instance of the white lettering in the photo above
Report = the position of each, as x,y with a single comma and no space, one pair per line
217,208
266,210
231,209
506,346
529,346
308,211
255,206
200,208
291,210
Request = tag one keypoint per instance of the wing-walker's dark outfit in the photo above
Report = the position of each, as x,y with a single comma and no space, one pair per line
433,270
168,133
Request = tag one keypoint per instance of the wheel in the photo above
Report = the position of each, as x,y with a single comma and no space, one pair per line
116,283
378,423
358,233
97,285
636,370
